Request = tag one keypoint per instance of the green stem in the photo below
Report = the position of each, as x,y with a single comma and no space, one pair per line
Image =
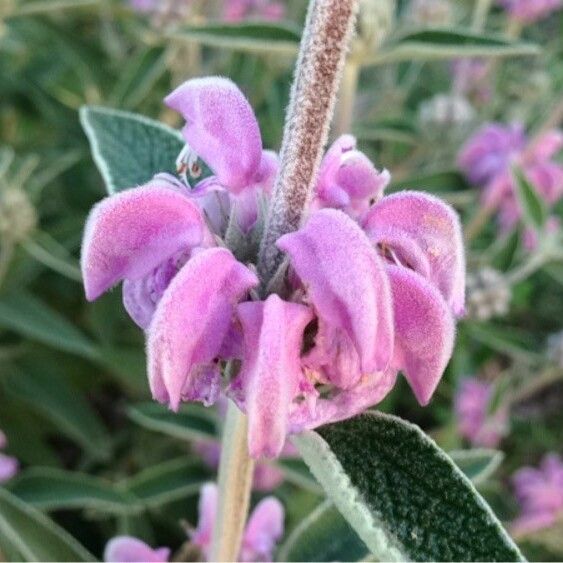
235,483
347,98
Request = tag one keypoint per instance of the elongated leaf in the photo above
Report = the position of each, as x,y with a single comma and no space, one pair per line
55,489
25,314
533,209
167,482
478,464
440,181
505,340
190,423
437,44
298,473
35,536
254,37
323,536
129,149
40,385
403,496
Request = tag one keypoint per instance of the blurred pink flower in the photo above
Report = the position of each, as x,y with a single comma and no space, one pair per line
475,422
239,10
530,11
127,549
487,159
540,494
372,286
9,466
471,78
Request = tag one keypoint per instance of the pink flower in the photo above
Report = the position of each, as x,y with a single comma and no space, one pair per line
470,77
9,466
475,421
239,10
530,11
489,156
126,549
540,494
372,286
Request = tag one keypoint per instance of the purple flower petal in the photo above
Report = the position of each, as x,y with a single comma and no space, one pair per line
9,467
424,331
345,281
221,128
126,549
425,235
190,325
263,530
271,369
129,234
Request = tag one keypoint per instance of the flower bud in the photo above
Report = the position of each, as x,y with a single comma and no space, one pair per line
488,295
17,215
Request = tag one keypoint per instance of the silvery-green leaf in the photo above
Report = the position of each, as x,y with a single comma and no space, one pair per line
129,149
404,497
533,208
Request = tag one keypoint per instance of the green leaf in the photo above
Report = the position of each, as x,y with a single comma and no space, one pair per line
35,536
478,464
190,423
254,37
533,209
440,181
55,489
439,44
167,482
129,149
295,471
404,496
25,314
324,535
41,386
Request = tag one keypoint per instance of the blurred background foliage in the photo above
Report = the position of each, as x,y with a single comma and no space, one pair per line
95,456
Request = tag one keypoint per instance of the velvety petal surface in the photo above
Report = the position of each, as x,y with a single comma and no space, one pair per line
346,283
270,373
127,549
263,530
424,331
221,128
190,325
425,235
129,234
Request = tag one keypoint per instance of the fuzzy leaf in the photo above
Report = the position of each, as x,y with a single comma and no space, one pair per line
404,496
129,149
478,464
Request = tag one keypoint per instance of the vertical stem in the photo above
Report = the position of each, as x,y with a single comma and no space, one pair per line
326,37
235,482
347,98
480,13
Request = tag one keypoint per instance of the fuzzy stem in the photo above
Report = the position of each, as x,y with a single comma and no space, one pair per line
235,483
326,37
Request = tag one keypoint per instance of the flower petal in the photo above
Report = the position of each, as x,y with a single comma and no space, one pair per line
263,530
346,282
127,549
220,127
270,373
9,466
129,234
424,331
190,325
207,510
347,177
407,220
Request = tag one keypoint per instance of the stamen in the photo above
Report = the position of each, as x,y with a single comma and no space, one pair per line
187,162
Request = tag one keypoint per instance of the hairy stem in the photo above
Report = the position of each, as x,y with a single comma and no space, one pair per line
326,37
235,482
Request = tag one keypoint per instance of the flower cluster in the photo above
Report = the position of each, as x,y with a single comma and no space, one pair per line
488,159
9,466
540,493
530,11
475,421
263,530
371,288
